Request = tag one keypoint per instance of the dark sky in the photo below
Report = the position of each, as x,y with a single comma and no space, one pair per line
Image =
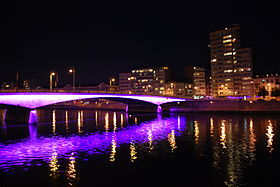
102,40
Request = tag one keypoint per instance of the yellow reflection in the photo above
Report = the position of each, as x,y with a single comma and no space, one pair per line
269,135
115,121
71,172
211,127
53,122
53,164
196,132
107,121
172,140
96,118
121,120
150,139
252,140
223,134
233,155
132,151
80,121
113,149
66,121
135,120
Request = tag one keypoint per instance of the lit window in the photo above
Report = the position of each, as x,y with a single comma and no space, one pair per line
227,41
214,60
228,71
227,36
228,45
227,54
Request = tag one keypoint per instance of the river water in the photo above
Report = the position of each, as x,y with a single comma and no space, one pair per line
112,148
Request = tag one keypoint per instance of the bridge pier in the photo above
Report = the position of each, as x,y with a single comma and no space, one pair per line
17,115
159,109
143,108
32,124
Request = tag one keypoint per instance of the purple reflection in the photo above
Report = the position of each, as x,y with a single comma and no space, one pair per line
43,148
32,117
33,124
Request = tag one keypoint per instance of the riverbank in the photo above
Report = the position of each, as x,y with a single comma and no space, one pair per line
223,106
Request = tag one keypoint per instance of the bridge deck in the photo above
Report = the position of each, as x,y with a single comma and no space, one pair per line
38,99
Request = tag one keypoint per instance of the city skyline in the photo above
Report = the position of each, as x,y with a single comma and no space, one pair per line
105,41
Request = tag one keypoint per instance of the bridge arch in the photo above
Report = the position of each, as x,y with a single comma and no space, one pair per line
33,100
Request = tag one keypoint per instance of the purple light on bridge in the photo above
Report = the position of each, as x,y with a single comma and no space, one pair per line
35,100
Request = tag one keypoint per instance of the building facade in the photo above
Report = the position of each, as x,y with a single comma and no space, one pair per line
196,76
150,80
270,83
172,88
125,84
231,65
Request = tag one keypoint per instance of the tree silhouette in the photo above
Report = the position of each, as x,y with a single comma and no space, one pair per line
262,92
275,92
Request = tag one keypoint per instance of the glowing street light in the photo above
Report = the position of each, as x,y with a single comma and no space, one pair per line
52,74
112,82
73,71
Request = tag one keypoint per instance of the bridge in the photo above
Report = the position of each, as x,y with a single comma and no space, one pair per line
32,100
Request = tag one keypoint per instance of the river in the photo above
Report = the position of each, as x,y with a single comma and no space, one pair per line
113,148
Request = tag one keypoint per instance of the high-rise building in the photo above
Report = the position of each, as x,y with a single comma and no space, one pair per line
196,76
125,84
150,80
231,65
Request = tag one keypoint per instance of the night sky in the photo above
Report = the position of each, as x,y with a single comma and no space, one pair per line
102,40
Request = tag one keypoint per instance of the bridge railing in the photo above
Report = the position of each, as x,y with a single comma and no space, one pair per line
80,91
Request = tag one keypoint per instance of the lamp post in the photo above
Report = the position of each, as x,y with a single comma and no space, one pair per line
112,82
73,71
51,79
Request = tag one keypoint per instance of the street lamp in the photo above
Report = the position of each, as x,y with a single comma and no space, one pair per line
73,71
112,82
51,79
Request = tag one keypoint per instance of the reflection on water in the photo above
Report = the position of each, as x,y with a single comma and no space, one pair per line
172,140
53,122
132,151
71,171
252,141
64,139
223,134
53,164
269,135
196,131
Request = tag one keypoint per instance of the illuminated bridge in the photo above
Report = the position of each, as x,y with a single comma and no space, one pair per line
33,100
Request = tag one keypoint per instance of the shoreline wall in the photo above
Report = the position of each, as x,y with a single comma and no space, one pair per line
223,106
